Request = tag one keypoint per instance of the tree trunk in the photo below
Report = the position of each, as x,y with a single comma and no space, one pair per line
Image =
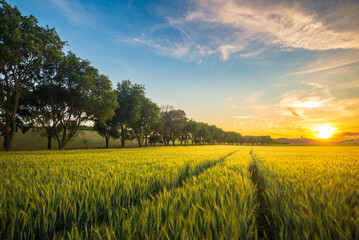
62,141
11,121
139,143
146,142
8,141
49,142
107,140
173,142
123,142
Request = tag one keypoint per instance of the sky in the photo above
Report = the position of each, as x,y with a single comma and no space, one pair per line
260,67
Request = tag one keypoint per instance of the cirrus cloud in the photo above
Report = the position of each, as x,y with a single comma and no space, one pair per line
225,28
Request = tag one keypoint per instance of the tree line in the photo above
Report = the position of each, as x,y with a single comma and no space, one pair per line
138,118
55,93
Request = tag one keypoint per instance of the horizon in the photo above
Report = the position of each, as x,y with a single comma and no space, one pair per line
284,69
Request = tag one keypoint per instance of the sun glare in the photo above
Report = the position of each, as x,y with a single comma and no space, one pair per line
324,131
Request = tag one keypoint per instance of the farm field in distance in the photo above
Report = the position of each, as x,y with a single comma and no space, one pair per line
32,140
199,192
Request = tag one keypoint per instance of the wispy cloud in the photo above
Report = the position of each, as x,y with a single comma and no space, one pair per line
243,117
226,50
315,101
288,25
171,49
75,12
244,29
329,61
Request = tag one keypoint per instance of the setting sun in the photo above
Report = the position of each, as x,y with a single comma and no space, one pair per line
324,131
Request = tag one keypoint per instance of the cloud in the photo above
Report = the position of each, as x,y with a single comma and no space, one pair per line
293,112
350,134
243,117
314,101
171,49
329,61
253,98
226,50
74,11
288,25
246,29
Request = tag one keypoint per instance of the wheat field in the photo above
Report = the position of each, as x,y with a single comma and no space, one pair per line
200,192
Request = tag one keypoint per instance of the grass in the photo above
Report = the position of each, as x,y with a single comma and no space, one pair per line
200,192
312,192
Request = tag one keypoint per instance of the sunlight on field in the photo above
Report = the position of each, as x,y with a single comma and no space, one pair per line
312,191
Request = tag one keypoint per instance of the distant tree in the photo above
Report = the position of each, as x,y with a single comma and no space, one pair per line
192,128
178,119
249,140
107,129
22,47
202,133
166,123
173,122
233,137
156,133
219,135
148,120
129,98
155,137
185,134
264,139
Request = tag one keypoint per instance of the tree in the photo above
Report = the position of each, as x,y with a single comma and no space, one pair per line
74,92
202,133
129,97
107,129
192,128
185,134
173,122
178,119
38,101
218,135
148,121
154,138
166,123
22,44
40,112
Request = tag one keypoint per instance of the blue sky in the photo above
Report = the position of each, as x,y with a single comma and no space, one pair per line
282,68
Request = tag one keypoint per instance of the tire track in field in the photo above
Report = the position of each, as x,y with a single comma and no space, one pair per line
185,173
264,219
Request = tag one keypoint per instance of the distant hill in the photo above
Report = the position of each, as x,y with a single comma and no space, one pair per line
354,141
298,141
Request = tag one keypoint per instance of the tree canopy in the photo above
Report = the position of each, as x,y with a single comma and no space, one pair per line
23,47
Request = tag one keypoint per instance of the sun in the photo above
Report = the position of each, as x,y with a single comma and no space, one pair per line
324,131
